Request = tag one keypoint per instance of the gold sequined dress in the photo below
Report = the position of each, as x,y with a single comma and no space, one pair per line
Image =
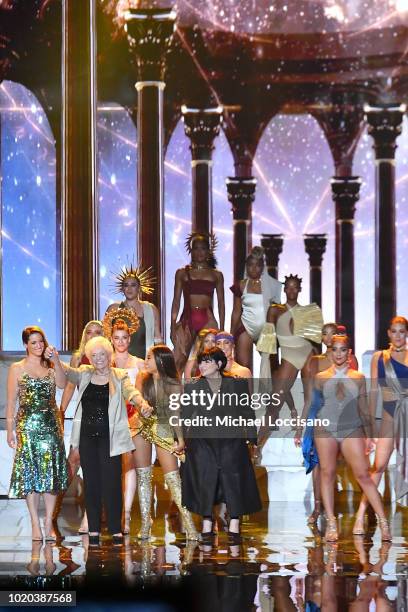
156,429
39,464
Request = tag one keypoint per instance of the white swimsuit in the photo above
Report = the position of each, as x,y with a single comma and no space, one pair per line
253,312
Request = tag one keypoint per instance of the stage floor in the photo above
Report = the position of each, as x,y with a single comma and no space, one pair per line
281,565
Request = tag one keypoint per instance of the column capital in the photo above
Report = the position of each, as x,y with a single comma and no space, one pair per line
241,194
315,246
150,32
202,126
384,125
342,125
345,194
272,245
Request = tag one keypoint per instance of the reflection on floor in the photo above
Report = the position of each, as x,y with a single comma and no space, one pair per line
280,565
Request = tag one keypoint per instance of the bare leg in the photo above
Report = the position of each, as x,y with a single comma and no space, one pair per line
33,501
244,349
317,496
383,451
130,482
327,448
353,450
49,502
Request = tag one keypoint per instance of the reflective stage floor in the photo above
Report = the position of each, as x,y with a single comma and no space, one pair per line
280,565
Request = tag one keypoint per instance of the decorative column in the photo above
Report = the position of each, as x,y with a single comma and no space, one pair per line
385,125
345,193
80,274
315,246
273,245
202,126
150,33
241,194
342,121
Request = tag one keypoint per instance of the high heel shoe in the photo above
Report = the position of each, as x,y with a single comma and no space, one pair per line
50,535
126,523
358,528
173,481
331,534
385,529
144,490
314,517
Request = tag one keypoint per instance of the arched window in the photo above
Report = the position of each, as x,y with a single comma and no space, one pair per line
117,196
30,262
293,165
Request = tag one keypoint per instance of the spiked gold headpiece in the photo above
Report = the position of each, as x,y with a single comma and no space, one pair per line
145,278
210,239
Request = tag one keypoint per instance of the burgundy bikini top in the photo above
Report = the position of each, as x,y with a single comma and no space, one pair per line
198,286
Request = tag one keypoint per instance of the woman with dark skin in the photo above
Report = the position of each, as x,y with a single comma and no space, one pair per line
252,298
197,282
295,350
396,360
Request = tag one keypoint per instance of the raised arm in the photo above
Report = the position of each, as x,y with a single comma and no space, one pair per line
175,307
59,368
69,387
12,390
219,286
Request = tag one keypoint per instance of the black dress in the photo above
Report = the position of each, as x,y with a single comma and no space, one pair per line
218,466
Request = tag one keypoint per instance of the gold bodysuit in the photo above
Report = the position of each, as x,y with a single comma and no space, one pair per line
294,349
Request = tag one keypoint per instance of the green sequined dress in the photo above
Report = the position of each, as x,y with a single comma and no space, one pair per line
39,464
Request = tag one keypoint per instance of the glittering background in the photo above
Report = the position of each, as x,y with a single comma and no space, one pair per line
293,166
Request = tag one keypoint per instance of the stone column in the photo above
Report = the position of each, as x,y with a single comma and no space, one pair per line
273,245
315,246
202,126
345,193
79,264
150,33
241,194
385,125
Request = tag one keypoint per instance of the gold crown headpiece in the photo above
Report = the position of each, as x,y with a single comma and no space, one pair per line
127,315
210,239
145,278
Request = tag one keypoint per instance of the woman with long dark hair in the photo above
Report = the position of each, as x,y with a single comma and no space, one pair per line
218,467
35,432
157,383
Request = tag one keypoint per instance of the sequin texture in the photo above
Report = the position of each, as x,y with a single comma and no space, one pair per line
39,463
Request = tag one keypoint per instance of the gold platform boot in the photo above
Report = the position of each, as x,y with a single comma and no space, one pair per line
173,481
144,490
